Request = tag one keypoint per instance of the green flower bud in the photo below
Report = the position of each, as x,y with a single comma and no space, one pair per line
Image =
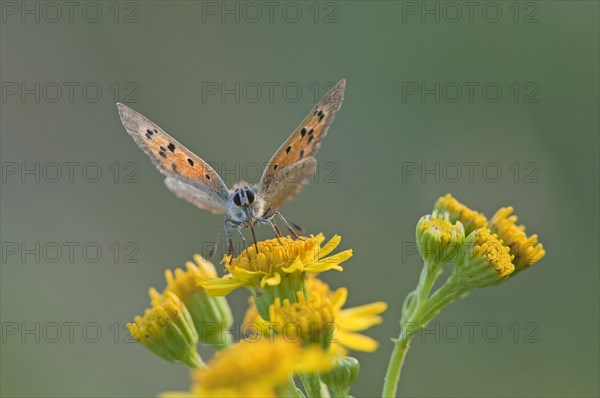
168,331
438,239
484,260
211,315
470,219
341,378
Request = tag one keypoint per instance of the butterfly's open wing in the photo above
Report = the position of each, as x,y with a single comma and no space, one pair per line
294,163
188,176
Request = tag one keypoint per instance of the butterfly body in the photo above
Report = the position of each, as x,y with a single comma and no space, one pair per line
191,178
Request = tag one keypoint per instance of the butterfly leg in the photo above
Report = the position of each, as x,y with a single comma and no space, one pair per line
287,225
272,224
229,224
213,249
214,246
239,229
297,227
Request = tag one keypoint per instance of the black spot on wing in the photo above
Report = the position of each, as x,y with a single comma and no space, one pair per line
310,138
171,147
150,132
301,154
207,176
174,167
275,167
163,154
162,148
148,135
303,132
288,149
191,162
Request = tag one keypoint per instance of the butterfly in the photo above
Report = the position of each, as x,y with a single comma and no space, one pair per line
192,179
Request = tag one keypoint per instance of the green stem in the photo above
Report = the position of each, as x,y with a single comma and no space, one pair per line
420,310
324,390
392,376
291,390
441,298
312,385
194,361
430,273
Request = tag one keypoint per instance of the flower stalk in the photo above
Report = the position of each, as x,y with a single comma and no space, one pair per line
313,386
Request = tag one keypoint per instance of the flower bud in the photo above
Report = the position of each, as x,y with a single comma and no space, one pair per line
167,330
343,375
483,261
211,315
470,219
526,249
438,239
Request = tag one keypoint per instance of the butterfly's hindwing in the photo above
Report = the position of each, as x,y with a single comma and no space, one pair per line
196,196
287,184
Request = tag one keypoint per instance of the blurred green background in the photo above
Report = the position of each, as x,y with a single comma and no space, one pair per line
162,58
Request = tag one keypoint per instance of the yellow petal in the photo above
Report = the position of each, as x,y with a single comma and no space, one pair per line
297,265
244,275
330,262
357,323
367,309
339,297
272,280
330,246
356,341
219,286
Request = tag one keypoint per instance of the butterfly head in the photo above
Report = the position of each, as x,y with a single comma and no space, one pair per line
245,204
243,197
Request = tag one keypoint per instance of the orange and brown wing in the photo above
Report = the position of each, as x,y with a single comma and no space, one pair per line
302,144
177,162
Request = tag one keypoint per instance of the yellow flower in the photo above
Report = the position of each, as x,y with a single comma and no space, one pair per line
183,283
256,369
438,239
484,261
167,330
470,219
306,320
278,269
526,249
493,251
347,322
211,315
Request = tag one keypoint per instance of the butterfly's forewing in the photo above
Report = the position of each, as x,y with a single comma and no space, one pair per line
188,176
294,163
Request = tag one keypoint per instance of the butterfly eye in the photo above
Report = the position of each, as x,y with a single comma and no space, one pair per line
250,196
236,199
